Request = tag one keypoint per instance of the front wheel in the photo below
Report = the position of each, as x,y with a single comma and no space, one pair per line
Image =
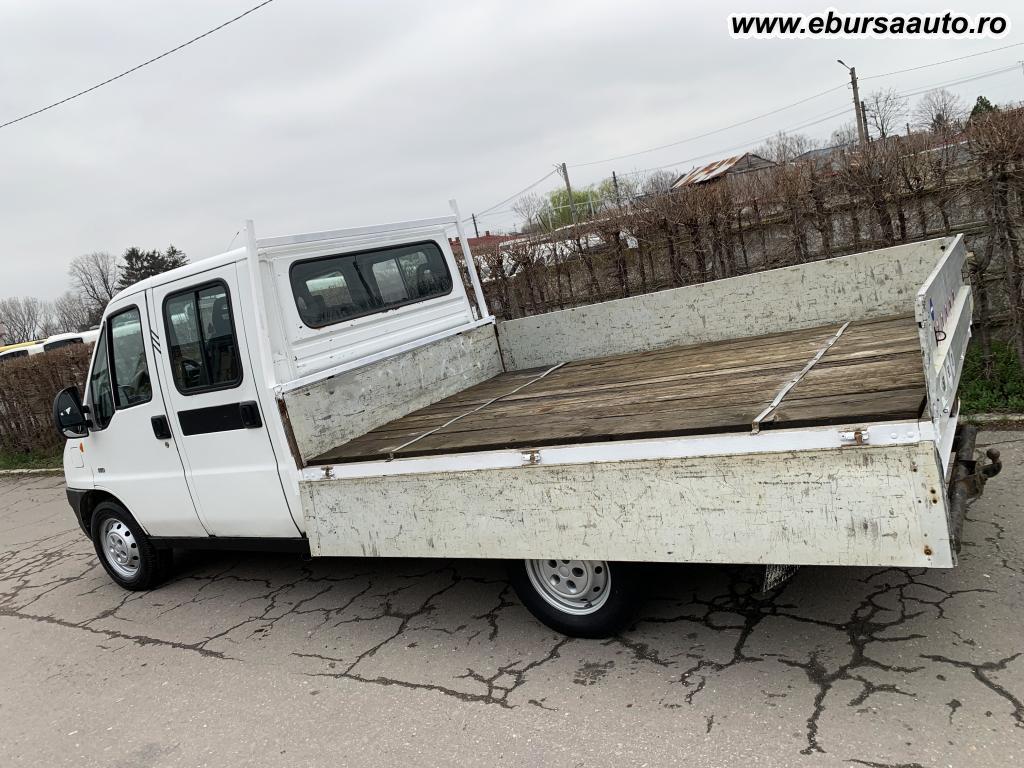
124,549
579,598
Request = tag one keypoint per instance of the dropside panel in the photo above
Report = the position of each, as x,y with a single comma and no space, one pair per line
328,413
853,506
848,288
943,309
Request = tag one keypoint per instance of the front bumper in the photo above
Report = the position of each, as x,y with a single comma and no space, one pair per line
76,499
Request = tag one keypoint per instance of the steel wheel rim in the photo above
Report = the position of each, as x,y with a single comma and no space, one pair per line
120,549
575,587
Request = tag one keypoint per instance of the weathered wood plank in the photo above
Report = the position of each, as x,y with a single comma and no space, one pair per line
872,372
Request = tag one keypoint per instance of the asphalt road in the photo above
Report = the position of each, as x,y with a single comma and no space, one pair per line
266,660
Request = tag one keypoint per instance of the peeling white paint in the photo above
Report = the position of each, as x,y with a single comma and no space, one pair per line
943,309
849,288
330,412
853,506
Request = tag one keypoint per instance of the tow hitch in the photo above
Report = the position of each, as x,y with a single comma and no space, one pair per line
968,478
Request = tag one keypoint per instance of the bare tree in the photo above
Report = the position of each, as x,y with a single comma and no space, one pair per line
48,324
885,111
70,313
657,182
531,208
94,277
844,135
783,147
996,142
21,319
939,111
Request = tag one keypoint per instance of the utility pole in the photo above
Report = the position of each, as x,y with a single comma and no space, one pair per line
615,184
476,231
568,189
864,117
572,209
862,126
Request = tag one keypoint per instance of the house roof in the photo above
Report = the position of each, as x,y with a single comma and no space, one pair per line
821,152
738,163
484,240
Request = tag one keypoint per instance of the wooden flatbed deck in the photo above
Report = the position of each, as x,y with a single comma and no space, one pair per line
873,372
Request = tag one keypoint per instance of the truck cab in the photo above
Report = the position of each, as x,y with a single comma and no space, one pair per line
184,428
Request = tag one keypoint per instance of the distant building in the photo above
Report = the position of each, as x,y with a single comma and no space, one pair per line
486,240
720,169
824,158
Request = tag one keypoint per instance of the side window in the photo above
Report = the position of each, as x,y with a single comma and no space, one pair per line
101,399
337,288
390,284
202,342
60,344
131,381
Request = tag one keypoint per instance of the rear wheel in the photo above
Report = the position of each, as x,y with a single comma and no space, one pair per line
124,549
580,598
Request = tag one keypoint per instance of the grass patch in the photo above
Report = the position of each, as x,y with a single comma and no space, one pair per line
30,461
1003,393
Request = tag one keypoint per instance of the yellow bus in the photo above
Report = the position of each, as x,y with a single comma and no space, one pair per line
5,347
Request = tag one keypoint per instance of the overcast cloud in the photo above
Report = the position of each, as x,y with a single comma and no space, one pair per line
311,115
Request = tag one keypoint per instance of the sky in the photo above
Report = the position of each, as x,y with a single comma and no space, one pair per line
309,115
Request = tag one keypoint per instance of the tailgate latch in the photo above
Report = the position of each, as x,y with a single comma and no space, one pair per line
855,437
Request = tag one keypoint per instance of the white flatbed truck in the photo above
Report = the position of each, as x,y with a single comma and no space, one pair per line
345,393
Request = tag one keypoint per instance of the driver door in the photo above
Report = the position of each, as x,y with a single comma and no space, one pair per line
127,450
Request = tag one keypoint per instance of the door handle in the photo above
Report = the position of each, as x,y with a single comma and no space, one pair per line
161,429
250,413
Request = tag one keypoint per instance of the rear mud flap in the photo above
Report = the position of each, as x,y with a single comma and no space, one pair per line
968,478
777,575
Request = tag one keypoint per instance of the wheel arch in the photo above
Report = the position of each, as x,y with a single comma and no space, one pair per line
91,500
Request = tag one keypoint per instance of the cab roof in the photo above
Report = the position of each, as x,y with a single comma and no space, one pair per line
186,270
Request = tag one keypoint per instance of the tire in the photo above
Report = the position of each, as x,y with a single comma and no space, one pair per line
564,608
124,549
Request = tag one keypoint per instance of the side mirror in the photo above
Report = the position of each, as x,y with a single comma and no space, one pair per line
69,414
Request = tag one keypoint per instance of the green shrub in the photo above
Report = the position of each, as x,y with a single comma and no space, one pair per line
1003,392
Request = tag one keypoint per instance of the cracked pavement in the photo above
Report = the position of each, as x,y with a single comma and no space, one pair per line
251,659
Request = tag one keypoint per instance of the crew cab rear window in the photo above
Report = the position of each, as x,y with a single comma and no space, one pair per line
333,289
202,340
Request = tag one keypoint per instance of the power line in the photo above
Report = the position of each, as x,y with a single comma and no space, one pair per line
794,104
944,61
744,145
136,67
825,118
820,118
517,194
968,79
797,103
716,153
709,133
